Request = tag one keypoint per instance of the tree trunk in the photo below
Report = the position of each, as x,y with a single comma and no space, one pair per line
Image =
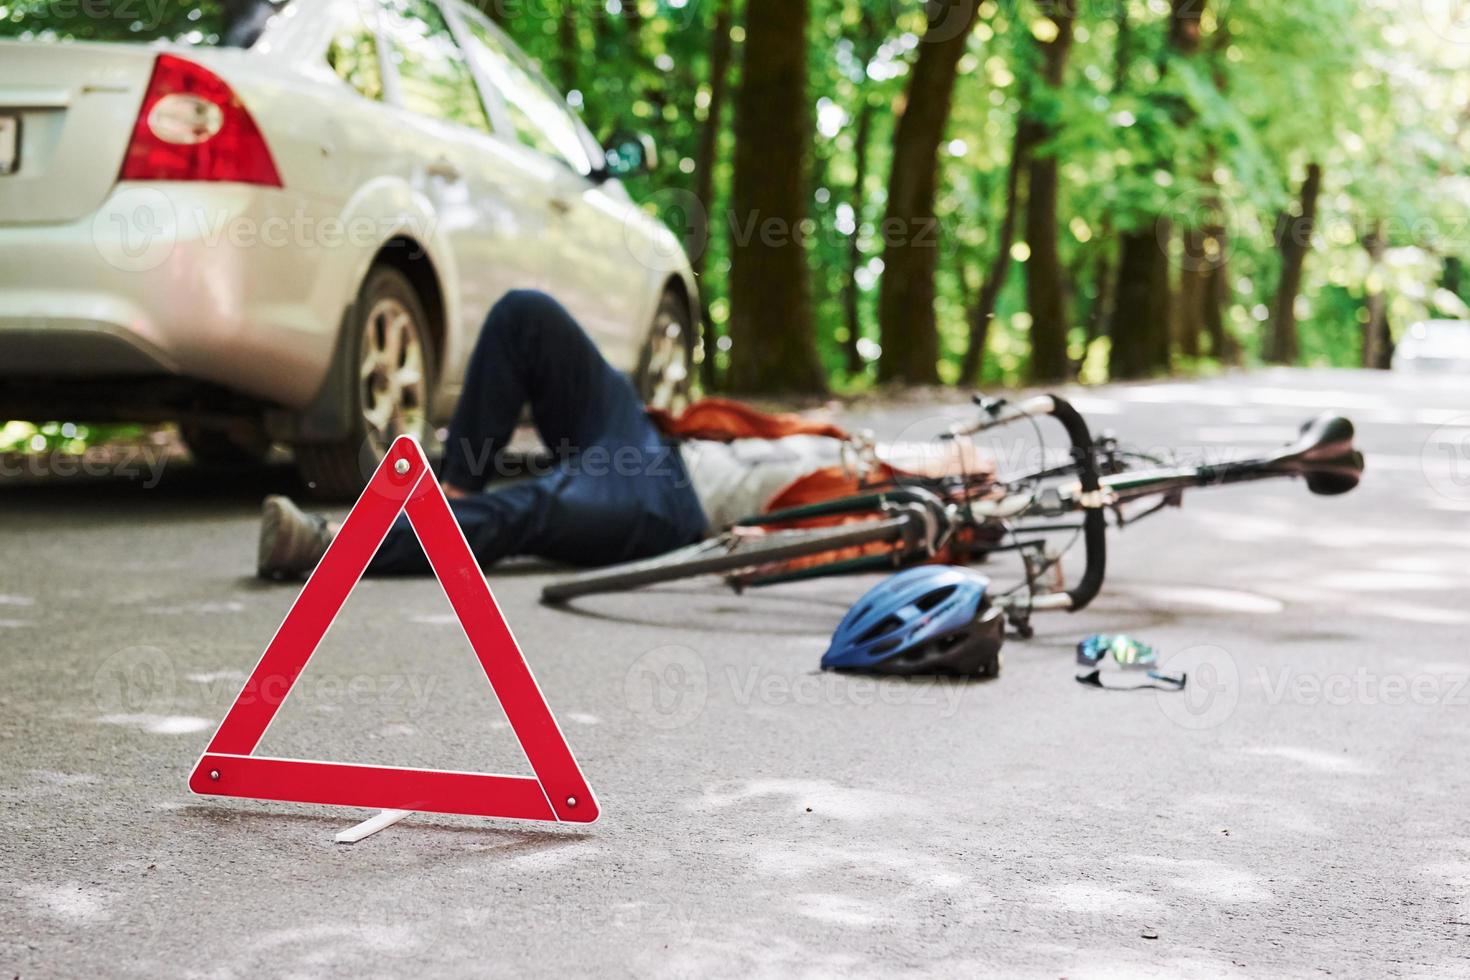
1185,26
1453,275
633,17
1141,305
708,151
1123,49
1045,288
1294,236
1217,297
602,36
1216,285
1194,283
567,41
983,311
850,297
721,49
1184,41
1375,331
494,9
910,230
1142,312
772,346
1102,296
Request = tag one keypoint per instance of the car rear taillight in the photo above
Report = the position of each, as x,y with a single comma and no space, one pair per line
193,127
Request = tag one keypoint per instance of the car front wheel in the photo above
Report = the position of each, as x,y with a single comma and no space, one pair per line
392,380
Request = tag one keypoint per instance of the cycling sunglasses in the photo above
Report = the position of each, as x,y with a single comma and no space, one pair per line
1121,663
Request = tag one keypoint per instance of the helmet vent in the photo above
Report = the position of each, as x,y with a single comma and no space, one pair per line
928,602
885,625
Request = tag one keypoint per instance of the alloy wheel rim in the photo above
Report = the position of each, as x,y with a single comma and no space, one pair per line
668,363
391,378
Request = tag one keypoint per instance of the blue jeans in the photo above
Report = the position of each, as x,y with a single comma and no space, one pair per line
616,489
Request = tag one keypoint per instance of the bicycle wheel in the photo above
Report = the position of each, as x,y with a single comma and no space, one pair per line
727,553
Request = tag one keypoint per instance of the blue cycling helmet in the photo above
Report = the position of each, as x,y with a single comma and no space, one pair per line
934,619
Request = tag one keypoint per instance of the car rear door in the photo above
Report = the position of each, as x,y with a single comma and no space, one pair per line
478,191
589,267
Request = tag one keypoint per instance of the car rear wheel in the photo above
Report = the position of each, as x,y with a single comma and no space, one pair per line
666,369
392,358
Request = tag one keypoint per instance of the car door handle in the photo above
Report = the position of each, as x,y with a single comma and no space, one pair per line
441,167
559,207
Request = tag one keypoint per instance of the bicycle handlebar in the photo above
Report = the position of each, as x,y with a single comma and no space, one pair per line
1323,455
1094,523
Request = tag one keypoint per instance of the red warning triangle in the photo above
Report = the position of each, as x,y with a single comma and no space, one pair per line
403,483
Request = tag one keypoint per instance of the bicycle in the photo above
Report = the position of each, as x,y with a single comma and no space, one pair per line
972,516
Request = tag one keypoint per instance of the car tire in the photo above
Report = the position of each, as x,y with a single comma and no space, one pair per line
665,375
391,353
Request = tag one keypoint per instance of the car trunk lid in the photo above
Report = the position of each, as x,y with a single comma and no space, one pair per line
74,106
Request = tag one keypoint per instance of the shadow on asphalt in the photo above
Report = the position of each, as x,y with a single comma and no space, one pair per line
182,485
722,610
511,840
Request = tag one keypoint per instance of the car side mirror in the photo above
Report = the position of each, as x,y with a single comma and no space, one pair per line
628,154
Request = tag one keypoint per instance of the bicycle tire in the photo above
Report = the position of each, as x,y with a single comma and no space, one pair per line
712,557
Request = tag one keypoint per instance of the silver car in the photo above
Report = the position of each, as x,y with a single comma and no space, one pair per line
286,222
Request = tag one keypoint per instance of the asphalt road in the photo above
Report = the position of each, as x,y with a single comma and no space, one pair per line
1300,810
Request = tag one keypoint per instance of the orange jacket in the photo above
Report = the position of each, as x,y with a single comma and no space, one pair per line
723,420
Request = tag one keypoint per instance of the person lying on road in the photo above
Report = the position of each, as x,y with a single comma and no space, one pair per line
621,487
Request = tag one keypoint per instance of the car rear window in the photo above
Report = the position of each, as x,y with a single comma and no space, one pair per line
235,24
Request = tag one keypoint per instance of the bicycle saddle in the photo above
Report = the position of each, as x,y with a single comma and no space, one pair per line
1323,454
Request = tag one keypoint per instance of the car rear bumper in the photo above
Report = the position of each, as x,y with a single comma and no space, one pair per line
70,348
201,281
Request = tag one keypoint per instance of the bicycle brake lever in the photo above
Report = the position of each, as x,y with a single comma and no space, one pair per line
987,404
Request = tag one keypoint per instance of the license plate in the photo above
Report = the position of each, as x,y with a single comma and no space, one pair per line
9,144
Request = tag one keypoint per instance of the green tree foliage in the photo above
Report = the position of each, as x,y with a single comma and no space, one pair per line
1128,199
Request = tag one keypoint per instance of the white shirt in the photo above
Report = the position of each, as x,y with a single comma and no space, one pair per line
737,479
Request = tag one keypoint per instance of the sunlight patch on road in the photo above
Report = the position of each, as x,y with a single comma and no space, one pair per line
1350,531
1213,880
205,608
842,910
217,676
435,619
1092,405
1202,394
159,724
1086,896
1411,612
1235,435
1313,759
1199,597
1380,581
70,902
825,799
52,778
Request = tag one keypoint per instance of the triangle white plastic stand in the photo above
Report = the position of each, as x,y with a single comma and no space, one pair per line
370,826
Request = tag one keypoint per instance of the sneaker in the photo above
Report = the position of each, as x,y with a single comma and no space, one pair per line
291,540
